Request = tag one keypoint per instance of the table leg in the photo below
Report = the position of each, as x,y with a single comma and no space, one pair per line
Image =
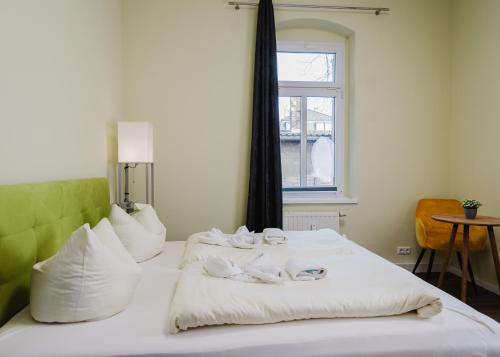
448,254
494,252
465,262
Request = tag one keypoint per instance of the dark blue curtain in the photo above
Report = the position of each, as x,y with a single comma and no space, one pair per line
265,197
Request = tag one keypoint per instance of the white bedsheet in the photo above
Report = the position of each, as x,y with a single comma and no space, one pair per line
141,330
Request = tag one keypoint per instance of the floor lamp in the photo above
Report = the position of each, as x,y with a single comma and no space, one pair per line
135,147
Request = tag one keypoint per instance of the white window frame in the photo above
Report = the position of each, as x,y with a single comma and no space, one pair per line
320,89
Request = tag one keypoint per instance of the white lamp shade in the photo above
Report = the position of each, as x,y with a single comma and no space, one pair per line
135,141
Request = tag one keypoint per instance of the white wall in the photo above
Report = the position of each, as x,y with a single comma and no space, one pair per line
188,69
60,86
475,125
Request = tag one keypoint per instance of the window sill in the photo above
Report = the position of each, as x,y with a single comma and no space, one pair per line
303,197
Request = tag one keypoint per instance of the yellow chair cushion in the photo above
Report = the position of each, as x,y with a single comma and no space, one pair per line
432,234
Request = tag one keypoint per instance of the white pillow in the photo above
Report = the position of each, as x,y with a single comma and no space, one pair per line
140,243
107,235
149,219
85,280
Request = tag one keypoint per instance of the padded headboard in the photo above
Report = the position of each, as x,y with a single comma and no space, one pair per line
35,221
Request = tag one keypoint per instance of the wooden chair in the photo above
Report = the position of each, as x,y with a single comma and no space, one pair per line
435,235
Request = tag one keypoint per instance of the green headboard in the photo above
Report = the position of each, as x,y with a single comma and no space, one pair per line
35,221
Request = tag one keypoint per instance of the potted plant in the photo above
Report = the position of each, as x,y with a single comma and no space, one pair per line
470,208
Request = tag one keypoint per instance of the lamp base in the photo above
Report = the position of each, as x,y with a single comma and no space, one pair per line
123,197
127,206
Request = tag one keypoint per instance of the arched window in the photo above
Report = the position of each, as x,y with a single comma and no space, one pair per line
311,88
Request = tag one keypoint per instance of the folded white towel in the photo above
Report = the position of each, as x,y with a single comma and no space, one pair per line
225,268
266,273
252,273
261,268
302,270
214,237
243,230
221,267
242,238
248,241
274,236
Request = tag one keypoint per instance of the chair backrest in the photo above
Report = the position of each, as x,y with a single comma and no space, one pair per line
435,235
428,207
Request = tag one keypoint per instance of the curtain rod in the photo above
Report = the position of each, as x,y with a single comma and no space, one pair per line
377,10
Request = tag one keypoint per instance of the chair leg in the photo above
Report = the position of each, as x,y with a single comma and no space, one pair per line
471,273
429,267
419,259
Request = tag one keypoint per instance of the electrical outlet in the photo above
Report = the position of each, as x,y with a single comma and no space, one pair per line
313,226
403,250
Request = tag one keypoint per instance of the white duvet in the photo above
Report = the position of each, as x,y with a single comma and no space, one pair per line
358,285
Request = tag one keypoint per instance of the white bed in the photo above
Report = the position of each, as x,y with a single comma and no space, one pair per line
142,330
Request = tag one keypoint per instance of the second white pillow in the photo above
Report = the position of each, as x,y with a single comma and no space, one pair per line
140,242
107,235
149,219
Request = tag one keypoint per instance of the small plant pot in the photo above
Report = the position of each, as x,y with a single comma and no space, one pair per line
470,213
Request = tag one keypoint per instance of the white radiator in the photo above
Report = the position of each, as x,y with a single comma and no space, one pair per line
309,221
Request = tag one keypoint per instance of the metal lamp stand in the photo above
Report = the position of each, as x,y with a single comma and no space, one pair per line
125,203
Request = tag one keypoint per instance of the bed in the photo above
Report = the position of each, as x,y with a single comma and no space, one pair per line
143,328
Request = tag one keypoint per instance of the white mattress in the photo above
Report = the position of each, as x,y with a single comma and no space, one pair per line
141,330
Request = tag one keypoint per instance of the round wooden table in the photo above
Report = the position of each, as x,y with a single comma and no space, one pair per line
484,221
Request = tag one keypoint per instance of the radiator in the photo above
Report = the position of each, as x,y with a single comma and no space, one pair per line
309,221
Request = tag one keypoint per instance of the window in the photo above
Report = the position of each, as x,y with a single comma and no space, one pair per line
311,79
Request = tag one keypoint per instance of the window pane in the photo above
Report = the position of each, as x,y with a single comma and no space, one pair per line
320,161
309,67
290,140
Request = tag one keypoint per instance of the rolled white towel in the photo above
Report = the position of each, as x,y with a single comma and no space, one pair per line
274,236
303,271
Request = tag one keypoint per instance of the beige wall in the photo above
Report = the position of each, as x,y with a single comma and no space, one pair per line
60,84
474,144
188,69
61,88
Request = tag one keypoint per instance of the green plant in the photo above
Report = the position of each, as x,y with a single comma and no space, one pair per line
471,204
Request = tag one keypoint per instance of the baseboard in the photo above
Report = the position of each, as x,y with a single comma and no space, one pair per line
484,284
422,268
